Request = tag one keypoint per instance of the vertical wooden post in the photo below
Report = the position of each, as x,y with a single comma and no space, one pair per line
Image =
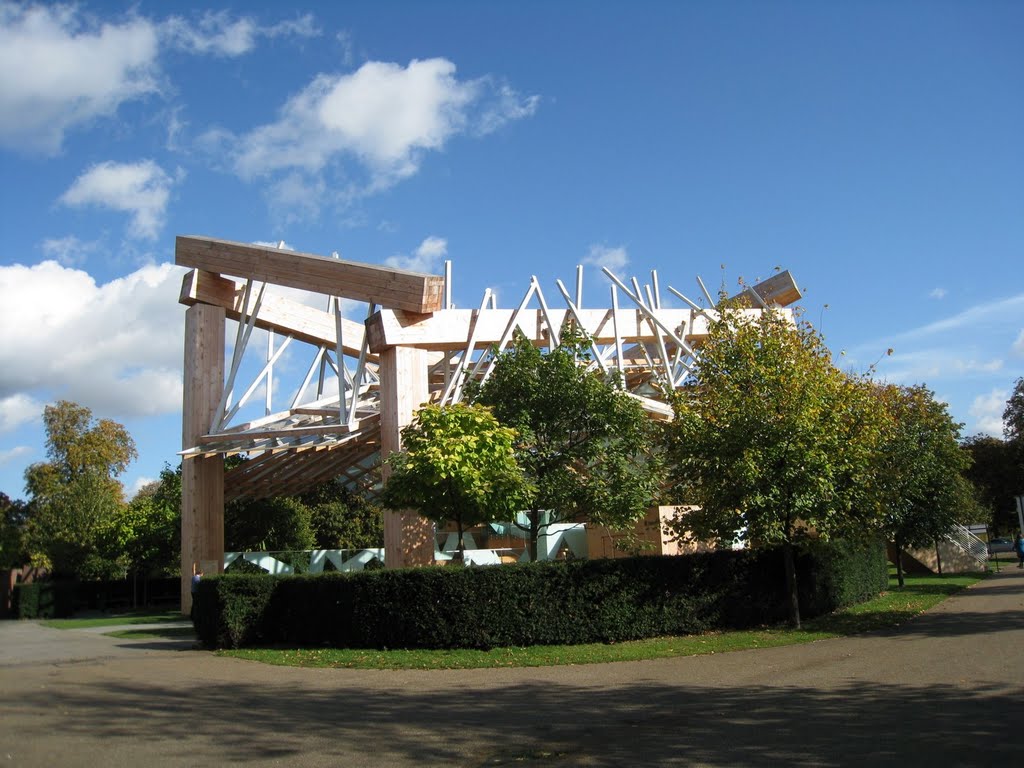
202,480
408,538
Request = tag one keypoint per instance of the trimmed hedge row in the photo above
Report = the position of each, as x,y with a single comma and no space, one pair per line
557,603
60,599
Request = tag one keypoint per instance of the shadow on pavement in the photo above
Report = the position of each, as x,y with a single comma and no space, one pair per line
532,723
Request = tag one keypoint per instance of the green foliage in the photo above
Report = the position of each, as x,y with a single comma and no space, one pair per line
1013,415
13,516
456,463
763,433
770,439
919,485
584,446
267,525
341,519
995,475
76,500
44,600
553,603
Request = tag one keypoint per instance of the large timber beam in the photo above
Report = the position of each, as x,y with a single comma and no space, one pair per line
398,288
202,479
408,537
277,313
448,330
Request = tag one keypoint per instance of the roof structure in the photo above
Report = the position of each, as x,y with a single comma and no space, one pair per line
331,427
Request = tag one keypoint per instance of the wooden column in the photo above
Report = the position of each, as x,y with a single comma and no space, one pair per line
202,480
408,538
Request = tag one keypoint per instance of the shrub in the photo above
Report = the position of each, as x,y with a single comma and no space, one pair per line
546,603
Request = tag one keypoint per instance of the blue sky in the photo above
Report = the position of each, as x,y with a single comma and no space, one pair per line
873,149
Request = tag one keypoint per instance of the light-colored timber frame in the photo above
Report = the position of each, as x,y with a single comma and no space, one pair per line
414,347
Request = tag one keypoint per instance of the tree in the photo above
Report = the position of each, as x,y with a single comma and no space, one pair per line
75,496
585,446
13,516
1013,430
993,472
919,484
280,524
1013,415
341,519
457,463
770,439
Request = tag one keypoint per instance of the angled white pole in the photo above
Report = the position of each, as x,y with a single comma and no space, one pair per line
309,376
618,336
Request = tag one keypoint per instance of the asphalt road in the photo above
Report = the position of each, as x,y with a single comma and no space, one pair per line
946,689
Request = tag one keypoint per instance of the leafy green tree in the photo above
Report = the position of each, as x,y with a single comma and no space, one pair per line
75,496
587,449
920,486
1013,430
994,474
280,524
457,463
1013,415
770,439
347,522
13,516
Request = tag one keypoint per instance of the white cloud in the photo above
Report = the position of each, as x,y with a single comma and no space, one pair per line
59,69
368,129
12,454
18,409
68,250
982,315
426,258
1018,346
141,189
218,34
987,411
601,256
938,293
114,347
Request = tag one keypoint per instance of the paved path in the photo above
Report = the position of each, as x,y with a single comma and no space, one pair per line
946,689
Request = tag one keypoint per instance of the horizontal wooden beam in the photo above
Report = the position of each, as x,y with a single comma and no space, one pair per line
397,288
277,313
449,330
780,289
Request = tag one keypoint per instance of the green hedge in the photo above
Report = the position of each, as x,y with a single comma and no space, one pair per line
60,599
44,600
557,603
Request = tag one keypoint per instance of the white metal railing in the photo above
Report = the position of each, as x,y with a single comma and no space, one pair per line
974,547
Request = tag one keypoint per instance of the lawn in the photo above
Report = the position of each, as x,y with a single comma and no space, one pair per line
115,620
889,609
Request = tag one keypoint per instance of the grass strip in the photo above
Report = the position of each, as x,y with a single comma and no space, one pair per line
888,610
116,620
164,633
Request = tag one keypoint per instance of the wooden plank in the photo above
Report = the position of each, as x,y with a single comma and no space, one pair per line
277,313
408,538
202,480
397,288
287,433
780,289
448,330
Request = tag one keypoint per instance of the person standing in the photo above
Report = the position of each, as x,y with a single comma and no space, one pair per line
1018,547
196,578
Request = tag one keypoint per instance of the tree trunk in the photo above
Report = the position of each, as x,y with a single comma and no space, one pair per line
460,550
534,517
791,585
938,557
899,563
